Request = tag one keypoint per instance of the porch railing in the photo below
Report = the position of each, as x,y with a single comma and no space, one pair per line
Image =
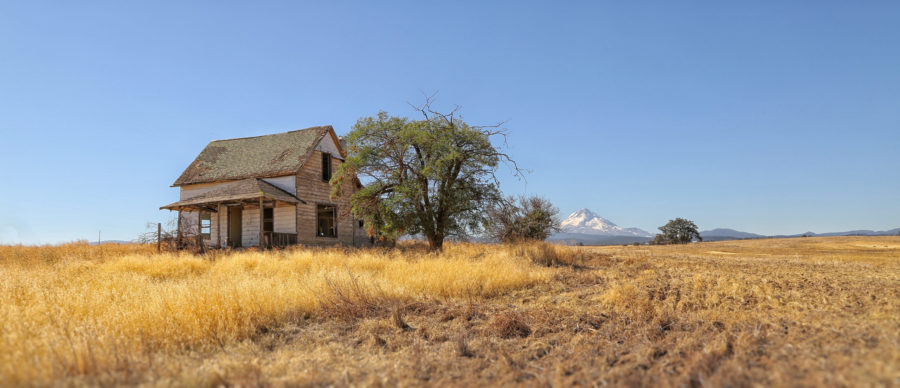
278,240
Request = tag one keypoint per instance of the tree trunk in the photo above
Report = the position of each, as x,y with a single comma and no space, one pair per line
435,244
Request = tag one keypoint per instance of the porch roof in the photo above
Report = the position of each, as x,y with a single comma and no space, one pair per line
246,189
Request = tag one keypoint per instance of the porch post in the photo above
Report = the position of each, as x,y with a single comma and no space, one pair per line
178,231
260,221
200,231
219,226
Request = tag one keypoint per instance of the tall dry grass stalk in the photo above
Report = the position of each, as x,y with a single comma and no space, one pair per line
793,312
85,310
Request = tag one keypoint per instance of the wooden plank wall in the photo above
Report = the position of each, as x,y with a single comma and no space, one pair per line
315,191
285,221
250,226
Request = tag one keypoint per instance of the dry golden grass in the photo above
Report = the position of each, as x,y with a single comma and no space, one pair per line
814,311
82,310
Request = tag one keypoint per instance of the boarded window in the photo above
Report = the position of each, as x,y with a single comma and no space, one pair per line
326,166
326,221
268,220
205,224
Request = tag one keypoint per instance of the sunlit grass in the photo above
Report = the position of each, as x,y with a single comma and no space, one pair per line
81,309
789,312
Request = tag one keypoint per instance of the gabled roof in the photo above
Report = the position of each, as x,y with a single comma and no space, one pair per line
251,188
254,157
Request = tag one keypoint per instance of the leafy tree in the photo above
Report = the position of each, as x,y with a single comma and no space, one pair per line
434,176
677,231
529,218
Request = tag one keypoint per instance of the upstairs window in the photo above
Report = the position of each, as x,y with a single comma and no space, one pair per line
205,224
326,221
326,166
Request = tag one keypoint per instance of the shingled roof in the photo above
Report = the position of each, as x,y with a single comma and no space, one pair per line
253,157
250,188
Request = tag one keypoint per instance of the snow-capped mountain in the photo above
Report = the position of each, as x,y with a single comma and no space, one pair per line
586,222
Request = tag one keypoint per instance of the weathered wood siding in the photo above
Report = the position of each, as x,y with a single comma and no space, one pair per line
361,236
250,226
285,219
300,219
191,191
222,226
213,229
315,191
189,225
286,183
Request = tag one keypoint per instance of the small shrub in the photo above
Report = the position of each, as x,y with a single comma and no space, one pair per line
398,320
462,348
509,325
528,218
353,300
547,254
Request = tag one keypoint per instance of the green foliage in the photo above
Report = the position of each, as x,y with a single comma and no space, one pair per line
677,231
433,176
529,218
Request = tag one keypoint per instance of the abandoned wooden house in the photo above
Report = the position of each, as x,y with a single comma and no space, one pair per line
268,191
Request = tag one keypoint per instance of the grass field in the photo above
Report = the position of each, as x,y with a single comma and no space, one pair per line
804,311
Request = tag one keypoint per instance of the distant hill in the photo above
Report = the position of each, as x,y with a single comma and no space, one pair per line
587,228
863,232
720,234
112,242
593,239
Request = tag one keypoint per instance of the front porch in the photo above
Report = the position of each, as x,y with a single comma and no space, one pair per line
246,213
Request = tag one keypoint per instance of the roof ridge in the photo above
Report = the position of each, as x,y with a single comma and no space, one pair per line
273,134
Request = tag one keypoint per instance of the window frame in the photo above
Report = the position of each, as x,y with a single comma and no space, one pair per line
334,222
205,215
326,167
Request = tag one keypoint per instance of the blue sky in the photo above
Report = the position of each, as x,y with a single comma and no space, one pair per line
767,117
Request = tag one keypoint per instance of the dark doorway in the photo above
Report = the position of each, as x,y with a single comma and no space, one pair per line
268,220
234,227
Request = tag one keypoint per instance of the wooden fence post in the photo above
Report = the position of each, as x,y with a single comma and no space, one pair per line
158,236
